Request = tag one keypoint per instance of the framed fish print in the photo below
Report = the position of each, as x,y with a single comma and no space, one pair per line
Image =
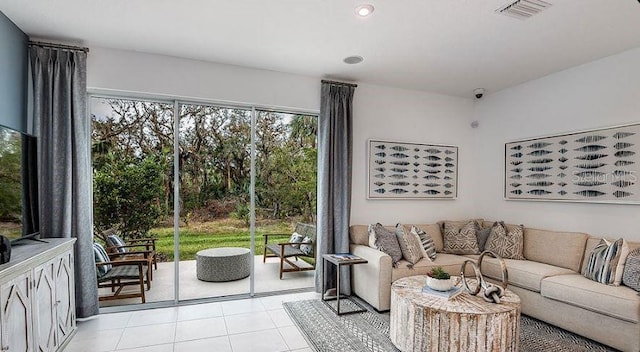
399,170
598,166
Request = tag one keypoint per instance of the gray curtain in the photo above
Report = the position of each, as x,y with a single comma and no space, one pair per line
63,129
334,179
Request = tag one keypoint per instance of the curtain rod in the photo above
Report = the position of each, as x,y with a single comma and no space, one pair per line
340,83
59,46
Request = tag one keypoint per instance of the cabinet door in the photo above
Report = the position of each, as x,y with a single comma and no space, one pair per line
65,296
44,308
16,330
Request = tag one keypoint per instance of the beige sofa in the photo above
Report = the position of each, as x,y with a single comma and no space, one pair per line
549,283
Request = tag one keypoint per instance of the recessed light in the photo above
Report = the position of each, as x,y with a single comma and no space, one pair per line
351,60
364,10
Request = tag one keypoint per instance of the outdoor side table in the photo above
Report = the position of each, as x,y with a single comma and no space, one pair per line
340,260
223,264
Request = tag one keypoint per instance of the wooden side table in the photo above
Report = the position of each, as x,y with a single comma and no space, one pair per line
423,322
340,260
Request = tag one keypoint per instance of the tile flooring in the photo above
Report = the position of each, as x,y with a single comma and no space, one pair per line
258,324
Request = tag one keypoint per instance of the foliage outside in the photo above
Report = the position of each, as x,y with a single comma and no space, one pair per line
10,183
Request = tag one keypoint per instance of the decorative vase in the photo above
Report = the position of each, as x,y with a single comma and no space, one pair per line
440,284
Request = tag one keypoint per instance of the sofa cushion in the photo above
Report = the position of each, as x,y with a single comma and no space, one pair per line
507,243
409,244
461,240
563,249
450,263
386,241
631,275
427,244
593,241
359,234
602,262
433,230
615,301
522,273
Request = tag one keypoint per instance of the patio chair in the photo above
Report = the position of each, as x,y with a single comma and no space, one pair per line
301,246
136,249
116,274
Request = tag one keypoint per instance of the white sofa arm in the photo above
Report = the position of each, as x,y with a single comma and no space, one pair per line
372,281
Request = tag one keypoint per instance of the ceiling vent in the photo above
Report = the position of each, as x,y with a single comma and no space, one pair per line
523,9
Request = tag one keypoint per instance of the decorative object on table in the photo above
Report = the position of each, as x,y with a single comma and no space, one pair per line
439,280
598,166
490,292
369,331
448,294
412,170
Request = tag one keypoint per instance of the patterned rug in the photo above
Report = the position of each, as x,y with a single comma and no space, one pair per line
369,331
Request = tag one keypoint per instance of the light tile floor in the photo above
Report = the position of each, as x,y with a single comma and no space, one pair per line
257,324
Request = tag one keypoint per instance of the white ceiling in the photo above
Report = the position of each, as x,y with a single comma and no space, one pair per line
445,46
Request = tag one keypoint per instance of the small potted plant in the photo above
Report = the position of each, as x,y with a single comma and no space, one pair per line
439,280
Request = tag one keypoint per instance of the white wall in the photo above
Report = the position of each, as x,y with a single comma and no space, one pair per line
410,116
379,112
598,94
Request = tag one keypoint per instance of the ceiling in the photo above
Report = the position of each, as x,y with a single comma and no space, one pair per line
443,46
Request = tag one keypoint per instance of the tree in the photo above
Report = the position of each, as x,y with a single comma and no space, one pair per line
10,173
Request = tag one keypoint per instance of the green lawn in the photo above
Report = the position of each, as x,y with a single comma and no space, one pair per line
221,233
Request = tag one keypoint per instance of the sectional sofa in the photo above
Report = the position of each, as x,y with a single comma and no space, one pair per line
548,282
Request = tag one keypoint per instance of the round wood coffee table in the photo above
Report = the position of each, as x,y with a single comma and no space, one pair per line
422,322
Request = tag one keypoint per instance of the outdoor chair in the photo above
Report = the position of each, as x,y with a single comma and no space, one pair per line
136,249
300,244
116,274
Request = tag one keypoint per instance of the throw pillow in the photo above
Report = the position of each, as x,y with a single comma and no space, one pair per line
306,248
483,236
428,246
505,243
461,240
296,238
603,261
386,241
101,256
624,252
409,245
631,275
116,241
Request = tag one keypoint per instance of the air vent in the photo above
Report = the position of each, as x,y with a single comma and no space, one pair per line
523,9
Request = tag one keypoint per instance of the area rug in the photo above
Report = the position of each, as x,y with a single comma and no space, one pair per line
369,331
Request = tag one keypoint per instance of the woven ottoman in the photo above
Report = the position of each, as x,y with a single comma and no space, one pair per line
222,264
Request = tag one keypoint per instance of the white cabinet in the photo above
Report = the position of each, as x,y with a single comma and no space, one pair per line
37,297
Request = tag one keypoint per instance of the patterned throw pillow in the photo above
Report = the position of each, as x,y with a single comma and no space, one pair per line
386,241
409,245
306,248
100,257
296,238
483,236
624,252
116,241
461,240
507,244
428,246
631,275
603,261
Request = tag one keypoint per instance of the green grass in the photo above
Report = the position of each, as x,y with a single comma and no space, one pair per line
220,233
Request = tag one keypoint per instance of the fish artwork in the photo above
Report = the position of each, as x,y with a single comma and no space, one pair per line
416,184
432,171
516,177
517,169
540,184
621,194
433,164
562,151
622,173
449,152
562,192
381,169
591,156
540,152
517,147
516,162
622,145
400,163
433,151
380,162
517,155
623,183
448,178
416,149
381,154
515,184
448,159
415,191
398,148
590,174
398,176
562,184
399,169
590,148
624,153
449,165
447,171
416,157
539,168
447,192
590,139
432,185
416,164
517,191
381,146
399,155
562,142
538,176
399,183
624,163
431,177
433,157
432,192
416,170
379,176
378,183
621,135
563,159
589,193
590,183
540,161
398,191
448,185
591,166
562,175
379,190
563,167
538,192
539,145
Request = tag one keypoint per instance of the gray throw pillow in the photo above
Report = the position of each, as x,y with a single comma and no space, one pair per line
461,240
409,245
296,238
306,248
483,236
631,275
387,242
509,244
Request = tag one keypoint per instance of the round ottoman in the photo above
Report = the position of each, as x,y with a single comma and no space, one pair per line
222,264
